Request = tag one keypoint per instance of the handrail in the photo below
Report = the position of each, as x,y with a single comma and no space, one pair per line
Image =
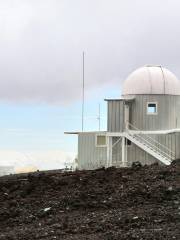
155,148
155,142
166,151
152,139
163,148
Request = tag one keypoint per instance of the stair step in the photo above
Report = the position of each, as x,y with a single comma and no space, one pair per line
152,148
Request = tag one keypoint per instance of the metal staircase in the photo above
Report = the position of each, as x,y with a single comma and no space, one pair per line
150,145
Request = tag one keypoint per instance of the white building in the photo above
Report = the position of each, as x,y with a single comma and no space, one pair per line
143,125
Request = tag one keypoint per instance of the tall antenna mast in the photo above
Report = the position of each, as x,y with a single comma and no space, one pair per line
99,117
83,97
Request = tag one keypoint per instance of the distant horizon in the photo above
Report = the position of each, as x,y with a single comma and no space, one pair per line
37,160
41,67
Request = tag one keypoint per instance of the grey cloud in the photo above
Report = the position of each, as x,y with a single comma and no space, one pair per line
41,44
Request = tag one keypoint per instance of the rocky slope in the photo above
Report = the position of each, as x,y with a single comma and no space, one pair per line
136,203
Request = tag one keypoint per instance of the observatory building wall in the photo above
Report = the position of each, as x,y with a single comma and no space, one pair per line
115,122
134,153
167,117
89,155
144,121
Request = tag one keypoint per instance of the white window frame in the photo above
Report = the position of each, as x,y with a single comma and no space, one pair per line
97,135
148,113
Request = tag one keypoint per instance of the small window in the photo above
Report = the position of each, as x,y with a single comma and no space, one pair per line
128,142
101,141
152,108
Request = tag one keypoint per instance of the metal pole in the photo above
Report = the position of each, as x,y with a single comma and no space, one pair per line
83,97
107,161
123,151
99,117
126,141
109,152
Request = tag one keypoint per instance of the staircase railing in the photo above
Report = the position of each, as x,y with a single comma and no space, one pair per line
150,142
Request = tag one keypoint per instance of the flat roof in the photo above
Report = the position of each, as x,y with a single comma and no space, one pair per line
99,132
120,99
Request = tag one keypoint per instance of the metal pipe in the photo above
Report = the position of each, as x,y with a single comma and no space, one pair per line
83,96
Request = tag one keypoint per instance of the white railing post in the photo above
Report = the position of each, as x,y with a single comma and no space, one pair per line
123,151
109,152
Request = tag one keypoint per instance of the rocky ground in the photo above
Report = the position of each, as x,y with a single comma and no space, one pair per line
136,203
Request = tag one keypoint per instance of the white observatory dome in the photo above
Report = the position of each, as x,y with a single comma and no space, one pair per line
151,80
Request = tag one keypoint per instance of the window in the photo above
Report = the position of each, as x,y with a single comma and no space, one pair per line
128,142
101,141
151,108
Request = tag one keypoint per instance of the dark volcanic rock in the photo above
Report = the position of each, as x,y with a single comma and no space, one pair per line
110,204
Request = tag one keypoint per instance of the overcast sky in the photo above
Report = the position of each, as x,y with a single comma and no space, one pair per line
41,45
42,41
